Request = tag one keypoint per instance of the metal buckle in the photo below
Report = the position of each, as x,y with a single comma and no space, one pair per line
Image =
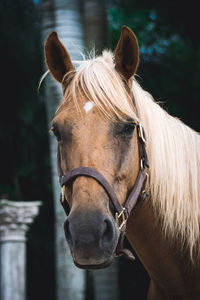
141,133
63,194
141,164
120,218
147,178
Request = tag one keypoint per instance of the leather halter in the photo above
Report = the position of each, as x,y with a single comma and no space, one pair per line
136,195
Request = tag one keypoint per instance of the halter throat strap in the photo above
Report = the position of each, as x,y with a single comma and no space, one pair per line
136,195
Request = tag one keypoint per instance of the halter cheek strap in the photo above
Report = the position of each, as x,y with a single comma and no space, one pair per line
136,195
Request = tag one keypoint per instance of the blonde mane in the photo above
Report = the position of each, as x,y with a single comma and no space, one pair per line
174,153
173,148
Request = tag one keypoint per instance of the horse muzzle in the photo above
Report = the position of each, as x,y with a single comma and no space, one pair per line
92,238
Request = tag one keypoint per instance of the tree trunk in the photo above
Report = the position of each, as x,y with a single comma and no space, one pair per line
95,25
62,16
95,34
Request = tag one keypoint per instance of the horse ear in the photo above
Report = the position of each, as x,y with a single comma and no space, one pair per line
57,58
127,53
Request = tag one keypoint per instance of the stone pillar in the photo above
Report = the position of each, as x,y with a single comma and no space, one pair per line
15,218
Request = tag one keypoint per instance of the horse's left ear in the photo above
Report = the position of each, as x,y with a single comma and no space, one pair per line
127,53
57,58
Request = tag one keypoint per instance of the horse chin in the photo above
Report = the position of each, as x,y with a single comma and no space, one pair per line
95,267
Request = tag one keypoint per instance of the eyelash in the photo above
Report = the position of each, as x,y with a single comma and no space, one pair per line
56,133
128,129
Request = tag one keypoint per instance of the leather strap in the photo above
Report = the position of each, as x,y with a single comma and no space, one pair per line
121,213
85,171
130,202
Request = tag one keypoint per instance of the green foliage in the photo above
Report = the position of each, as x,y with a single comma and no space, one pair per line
23,122
169,42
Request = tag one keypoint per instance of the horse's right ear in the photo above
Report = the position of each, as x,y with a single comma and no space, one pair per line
57,58
127,53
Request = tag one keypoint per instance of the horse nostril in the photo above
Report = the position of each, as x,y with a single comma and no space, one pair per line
108,233
68,233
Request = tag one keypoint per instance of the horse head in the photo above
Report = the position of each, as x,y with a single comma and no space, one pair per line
95,126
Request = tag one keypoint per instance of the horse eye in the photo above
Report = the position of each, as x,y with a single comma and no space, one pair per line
56,132
128,129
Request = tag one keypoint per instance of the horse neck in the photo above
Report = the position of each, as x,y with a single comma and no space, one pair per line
160,256
174,173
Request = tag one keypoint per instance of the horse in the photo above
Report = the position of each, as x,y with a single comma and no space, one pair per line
127,169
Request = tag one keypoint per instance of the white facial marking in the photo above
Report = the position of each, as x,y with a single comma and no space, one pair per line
88,106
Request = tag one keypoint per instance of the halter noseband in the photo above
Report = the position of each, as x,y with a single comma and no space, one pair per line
136,195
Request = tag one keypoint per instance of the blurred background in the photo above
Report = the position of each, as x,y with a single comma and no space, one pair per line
169,38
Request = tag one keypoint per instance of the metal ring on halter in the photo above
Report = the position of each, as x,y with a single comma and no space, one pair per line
121,217
63,194
141,132
141,164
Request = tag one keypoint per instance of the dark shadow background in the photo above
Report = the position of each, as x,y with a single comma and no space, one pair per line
169,38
